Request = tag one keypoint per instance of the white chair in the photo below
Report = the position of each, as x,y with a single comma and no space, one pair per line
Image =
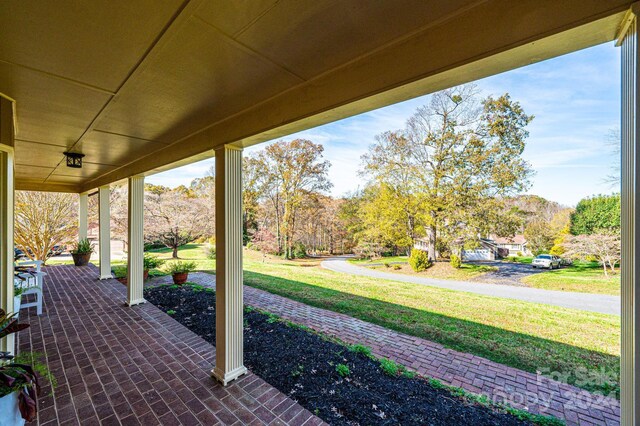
31,282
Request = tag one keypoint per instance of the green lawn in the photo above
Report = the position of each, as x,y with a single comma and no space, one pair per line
584,277
189,252
520,334
382,260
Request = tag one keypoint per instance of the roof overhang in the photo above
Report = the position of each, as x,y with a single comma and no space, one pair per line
140,87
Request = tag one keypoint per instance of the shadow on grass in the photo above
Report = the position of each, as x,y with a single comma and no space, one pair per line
526,352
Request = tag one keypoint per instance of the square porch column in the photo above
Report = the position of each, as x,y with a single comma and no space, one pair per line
104,220
6,214
229,304
83,215
135,278
628,38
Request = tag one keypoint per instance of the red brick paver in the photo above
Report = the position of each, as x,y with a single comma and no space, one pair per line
135,366
475,374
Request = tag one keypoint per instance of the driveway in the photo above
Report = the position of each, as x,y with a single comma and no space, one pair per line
508,273
584,301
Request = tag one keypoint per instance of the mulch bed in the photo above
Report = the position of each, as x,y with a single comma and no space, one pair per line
302,365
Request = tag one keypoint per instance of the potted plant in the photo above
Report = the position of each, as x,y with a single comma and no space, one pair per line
18,382
17,297
179,271
151,262
120,273
82,253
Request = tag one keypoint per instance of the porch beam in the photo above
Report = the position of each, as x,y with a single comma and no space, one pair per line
229,304
104,221
83,215
630,232
135,267
7,132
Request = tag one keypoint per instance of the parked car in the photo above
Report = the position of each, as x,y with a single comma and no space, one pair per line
57,250
546,261
18,254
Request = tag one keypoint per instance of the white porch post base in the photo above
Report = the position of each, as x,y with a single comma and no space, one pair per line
104,220
229,301
135,267
229,376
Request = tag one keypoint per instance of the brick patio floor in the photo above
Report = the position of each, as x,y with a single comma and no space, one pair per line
475,374
118,365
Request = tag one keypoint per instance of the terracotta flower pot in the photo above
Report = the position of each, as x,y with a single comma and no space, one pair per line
180,278
123,280
81,259
145,275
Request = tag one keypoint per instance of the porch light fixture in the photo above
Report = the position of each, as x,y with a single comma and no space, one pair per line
74,159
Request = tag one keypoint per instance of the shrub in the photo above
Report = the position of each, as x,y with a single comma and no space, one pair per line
251,246
392,368
299,251
419,260
171,312
397,267
387,265
455,261
343,370
179,267
151,262
119,271
361,349
210,251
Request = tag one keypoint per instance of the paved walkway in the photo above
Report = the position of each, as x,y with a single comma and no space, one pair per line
475,374
135,366
584,301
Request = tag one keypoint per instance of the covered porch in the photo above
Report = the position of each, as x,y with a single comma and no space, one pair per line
143,87
116,365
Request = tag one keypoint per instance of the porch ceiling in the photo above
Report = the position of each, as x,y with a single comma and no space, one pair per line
145,85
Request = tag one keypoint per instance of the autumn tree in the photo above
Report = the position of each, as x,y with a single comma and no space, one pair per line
456,156
291,170
43,220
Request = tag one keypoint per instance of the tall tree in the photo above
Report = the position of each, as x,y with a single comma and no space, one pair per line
593,214
43,220
291,171
455,155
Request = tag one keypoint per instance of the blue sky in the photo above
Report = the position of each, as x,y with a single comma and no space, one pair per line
576,102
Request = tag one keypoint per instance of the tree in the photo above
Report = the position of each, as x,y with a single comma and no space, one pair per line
457,157
265,241
604,246
291,171
174,219
539,236
593,214
43,220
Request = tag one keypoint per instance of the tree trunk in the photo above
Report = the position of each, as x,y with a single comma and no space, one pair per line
431,250
175,252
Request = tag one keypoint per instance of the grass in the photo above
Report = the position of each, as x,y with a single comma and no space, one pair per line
191,253
441,270
584,277
380,261
523,335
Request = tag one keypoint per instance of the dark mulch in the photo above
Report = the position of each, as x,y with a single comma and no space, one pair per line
303,364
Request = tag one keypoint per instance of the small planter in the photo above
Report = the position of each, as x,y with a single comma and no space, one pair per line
123,280
10,412
81,259
145,275
180,278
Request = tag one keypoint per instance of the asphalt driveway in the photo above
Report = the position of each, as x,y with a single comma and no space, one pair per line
508,273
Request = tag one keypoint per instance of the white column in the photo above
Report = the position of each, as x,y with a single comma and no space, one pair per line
83,215
136,241
229,305
6,214
630,362
104,220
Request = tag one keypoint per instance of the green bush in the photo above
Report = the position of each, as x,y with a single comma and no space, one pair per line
251,246
387,265
119,271
299,251
343,370
210,251
179,267
455,261
362,349
397,267
419,260
151,262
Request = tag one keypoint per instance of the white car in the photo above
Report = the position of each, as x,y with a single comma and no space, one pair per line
546,261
